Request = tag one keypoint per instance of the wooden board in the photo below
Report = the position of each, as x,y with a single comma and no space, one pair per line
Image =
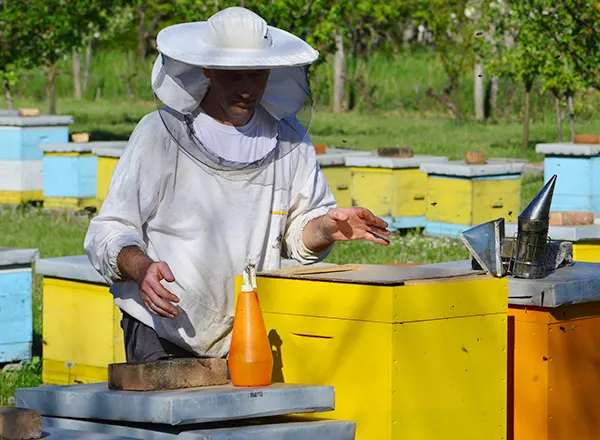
372,274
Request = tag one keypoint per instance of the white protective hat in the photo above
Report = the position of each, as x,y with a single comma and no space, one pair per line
232,39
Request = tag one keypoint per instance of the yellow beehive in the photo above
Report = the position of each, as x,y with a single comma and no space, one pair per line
408,357
393,188
108,156
82,327
332,164
460,196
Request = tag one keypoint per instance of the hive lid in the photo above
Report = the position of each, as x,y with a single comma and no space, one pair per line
392,162
338,156
76,268
578,283
9,113
81,147
369,274
460,169
115,149
175,407
35,121
568,149
13,256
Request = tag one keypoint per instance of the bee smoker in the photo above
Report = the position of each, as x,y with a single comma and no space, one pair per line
531,250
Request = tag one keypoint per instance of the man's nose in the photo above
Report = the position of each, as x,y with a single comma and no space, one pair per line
245,87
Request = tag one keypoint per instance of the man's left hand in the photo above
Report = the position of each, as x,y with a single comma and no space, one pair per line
343,224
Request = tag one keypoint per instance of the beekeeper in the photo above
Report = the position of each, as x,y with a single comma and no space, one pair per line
222,175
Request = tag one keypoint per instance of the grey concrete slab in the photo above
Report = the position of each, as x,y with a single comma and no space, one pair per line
76,267
563,233
35,121
460,169
71,434
568,149
80,147
194,405
9,113
17,256
392,162
273,428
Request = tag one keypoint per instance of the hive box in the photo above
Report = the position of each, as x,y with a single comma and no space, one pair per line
392,188
108,156
332,164
460,196
16,321
585,239
82,326
578,169
412,353
21,179
553,335
70,174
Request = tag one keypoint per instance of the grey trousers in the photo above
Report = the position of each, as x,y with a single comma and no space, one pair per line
142,344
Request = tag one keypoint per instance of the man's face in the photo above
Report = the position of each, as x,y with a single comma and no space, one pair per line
238,92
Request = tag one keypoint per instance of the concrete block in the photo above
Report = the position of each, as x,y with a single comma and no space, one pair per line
167,374
19,424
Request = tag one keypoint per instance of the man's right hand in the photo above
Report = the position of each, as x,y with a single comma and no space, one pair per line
137,266
154,295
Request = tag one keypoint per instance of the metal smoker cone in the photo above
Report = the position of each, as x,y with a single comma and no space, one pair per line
529,258
484,241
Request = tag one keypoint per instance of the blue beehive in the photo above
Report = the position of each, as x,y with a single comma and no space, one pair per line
21,179
16,320
578,169
70,173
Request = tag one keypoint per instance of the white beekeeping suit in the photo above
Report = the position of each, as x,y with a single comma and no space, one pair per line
207,198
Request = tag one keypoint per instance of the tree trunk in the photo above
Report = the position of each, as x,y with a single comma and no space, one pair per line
478,89
77,74
142,40
88,63
571,115
8,94
495,89
558,120
51,87
339,74
526,117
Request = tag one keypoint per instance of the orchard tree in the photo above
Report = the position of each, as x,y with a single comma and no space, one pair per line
13,39
53,28
453,34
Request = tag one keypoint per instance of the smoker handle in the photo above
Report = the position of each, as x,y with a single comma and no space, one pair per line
419,197
341,187
497,204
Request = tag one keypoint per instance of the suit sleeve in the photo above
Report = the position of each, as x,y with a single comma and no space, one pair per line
311,198
132,198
